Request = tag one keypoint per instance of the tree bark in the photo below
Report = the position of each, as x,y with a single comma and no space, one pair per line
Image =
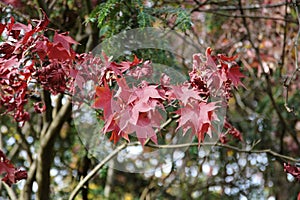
46,154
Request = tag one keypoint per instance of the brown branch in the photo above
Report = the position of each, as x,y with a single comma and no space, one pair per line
289,80
45,154
23,142
251,7
284,42
95,170
12,195
27,190
57,122
268,151
255,17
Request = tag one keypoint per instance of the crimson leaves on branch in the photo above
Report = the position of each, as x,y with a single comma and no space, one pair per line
129,109
12,174
30,62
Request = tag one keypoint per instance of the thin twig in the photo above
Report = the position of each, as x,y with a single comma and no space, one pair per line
289,80
255,17
284,43
268,151
251,7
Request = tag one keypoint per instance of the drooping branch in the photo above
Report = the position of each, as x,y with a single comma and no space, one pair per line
94,171
268,151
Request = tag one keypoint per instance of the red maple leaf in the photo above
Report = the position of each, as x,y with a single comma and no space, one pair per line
185,93
197,117
234,75
66,41
13,174
42,24
125,65
103,100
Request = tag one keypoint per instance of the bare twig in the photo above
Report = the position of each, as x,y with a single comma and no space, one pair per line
284,42
289,80
268,85
95,170
268,151
251,7
254,17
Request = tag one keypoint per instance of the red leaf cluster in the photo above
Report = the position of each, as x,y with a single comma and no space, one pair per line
231,130
293,170
214,75
12,174
138,109
28,60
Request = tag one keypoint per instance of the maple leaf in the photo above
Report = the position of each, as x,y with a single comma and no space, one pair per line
7,49
185,93
210,61
145,132
65,40
13,174
103,100
125,65
233,131
42,24
137,112
143,100
113,126
145,126
234,75
14,3
116,135
197,117
58,51
226,58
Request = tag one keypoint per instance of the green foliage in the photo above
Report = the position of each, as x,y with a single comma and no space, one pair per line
183,20
102,11
145,19
114,16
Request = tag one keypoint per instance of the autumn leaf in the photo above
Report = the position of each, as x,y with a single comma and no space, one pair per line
13,174
234,75
197,117
103,99
185,93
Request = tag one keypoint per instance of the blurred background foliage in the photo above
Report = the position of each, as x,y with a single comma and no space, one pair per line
262,33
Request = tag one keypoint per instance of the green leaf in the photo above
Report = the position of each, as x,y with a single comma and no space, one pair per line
101,12
183,20
145,19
